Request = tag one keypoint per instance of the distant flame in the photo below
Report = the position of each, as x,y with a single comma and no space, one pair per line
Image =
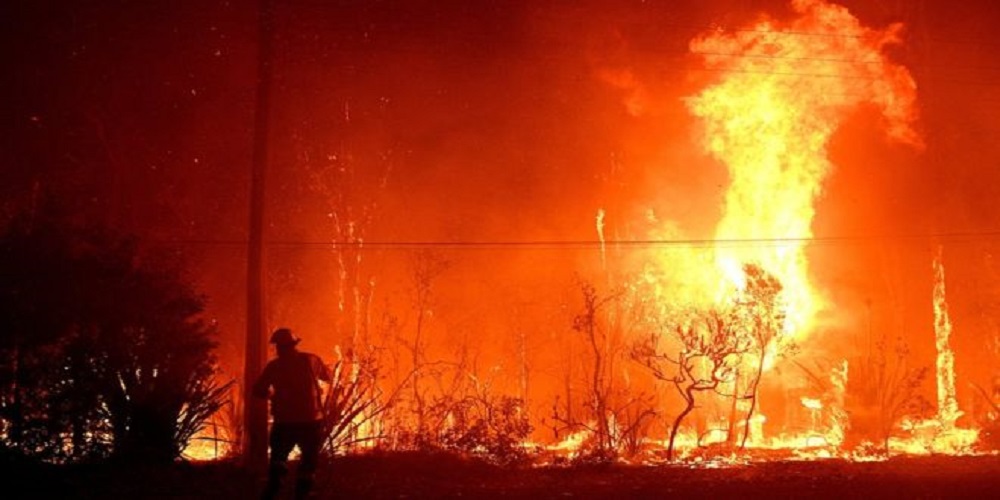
600,235
812,403
948,411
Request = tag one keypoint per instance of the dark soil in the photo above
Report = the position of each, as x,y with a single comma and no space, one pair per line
442,476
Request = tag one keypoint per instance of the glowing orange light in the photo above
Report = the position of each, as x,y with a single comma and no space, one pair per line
784,90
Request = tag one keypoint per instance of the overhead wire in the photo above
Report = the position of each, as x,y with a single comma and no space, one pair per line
584,244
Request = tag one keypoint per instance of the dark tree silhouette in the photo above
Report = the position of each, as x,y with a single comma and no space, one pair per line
102,350
615,414
697,354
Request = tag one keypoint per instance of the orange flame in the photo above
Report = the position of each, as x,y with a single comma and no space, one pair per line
784,90
948,411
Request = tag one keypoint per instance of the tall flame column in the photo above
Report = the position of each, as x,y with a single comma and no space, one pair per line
948,411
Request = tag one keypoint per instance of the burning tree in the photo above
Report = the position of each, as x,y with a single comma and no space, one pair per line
463,412
721,351
761,315
615,415
699,353
425,267
587,323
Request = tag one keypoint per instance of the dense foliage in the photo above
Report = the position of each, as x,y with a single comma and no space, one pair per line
102,352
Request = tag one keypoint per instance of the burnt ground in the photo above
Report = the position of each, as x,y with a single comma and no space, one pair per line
434,476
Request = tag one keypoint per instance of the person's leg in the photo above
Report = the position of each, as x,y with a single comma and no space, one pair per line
310,443
281,442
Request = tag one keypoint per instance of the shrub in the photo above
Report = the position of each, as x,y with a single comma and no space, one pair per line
101,347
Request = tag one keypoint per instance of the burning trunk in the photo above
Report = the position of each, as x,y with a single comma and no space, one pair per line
947,403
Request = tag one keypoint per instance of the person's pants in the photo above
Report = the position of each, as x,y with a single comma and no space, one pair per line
308,436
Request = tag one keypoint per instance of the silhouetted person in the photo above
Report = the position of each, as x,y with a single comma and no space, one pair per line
291,382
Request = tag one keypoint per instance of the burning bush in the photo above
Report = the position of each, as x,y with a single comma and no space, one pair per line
471,420
887,392
492,427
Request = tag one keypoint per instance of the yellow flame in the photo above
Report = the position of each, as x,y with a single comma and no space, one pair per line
948,411
784,91
209,444
812,403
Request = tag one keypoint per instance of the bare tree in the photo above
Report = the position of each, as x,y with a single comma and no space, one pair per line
762,315
586,323
425,267
614,413
696,354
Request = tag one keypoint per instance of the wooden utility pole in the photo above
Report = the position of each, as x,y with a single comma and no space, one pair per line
255,409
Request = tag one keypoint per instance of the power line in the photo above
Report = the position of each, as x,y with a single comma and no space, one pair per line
595,244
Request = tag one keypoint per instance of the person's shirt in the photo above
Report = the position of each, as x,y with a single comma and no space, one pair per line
292,382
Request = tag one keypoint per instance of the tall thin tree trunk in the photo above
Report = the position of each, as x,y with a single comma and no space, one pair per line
689,398
753,399
732,434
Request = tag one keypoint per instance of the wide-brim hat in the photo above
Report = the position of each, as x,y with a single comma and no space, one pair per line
284,336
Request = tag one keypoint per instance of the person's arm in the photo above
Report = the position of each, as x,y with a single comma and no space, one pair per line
262,387
322,372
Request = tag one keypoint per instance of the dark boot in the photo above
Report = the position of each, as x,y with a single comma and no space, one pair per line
274,474
271,489
302,487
